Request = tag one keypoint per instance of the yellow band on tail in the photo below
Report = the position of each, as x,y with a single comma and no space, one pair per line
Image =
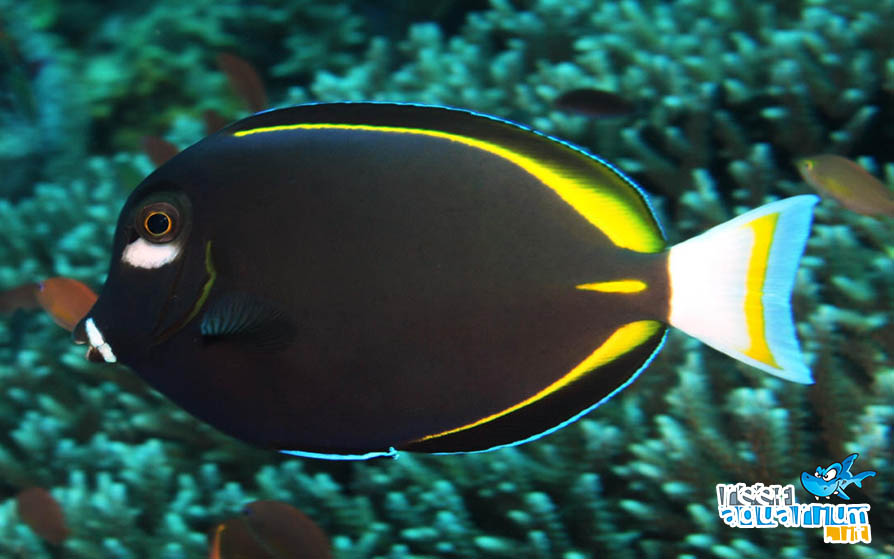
763,229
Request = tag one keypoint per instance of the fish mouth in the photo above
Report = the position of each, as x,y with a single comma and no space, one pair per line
99,350
86,332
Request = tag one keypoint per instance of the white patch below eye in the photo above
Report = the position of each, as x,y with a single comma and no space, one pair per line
98,342
143,254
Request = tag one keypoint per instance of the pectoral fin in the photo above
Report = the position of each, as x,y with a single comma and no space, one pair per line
245,319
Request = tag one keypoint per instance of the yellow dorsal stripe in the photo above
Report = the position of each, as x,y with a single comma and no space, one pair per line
620,286
608,212
620,342
763,229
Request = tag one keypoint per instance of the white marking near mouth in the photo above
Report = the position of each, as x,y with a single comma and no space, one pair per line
143,254
98,342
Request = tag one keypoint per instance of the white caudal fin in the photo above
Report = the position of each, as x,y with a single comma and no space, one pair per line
731,286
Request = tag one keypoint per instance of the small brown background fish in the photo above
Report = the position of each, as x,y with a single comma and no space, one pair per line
42,513
269,530
848,183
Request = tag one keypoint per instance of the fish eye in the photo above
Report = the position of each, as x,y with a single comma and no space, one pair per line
830,474
158,222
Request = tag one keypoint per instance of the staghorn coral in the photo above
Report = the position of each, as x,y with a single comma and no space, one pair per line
728,93
43,120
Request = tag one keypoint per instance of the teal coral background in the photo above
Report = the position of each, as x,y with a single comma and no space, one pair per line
728,93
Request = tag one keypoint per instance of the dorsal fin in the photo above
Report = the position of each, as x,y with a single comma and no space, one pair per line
598,191
846,465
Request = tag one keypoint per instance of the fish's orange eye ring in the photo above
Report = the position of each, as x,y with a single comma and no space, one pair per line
151,224
159,222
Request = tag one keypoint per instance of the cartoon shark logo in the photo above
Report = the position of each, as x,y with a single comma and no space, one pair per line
832,480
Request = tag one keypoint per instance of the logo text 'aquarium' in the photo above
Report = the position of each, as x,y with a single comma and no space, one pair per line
769,506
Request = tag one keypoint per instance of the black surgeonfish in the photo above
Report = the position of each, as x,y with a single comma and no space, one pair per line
344,280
